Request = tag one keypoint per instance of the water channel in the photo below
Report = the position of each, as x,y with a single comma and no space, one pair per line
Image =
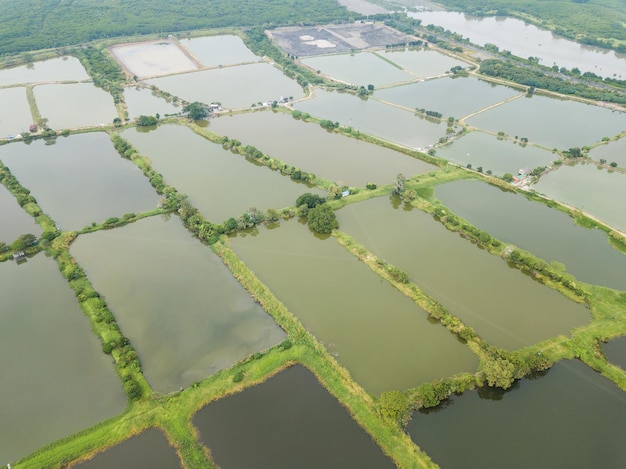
546,232
175,300
286,422
54,379
326,154
615,351
571,417
79,179
377,333
505,307
525,40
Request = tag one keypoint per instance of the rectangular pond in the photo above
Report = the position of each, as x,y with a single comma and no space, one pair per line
360,69
215,51
290,420
571,417
80,179
501,156
219,183
15,116
74,105
422,63
551,122
142,102
182,309
15,221
546,232
233,87
505,307
614,151
149,449
326,154
451,96
373,117
377,333
597,192
54,379
154,58
59,69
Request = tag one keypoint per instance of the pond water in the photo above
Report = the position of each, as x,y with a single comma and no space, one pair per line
595,191
525,40
234,87
378,334
546,232
15,221
375,118
182,309
553,123
452,97
80,179
422,63
219,183
153,58
75,105
150,449
63,384
214,51
60,69
288,421
615,351
500,156
141,101
358,69
571,417
309,147
505,307
613,151
15,116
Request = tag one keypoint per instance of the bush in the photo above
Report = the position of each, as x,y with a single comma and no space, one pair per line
322,219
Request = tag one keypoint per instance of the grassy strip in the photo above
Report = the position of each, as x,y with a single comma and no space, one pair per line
387,60
335,378
32,104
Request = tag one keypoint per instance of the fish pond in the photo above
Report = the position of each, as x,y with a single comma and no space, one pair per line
551,122
142,102
175,300
90,106
215,51
360,69
288,421
501,156
153,58
15,116
505,307
611,152
548,233
571,417
452,97
597,191
63,384
46,71
421,63
79,179
15,221
375,118
326,154
149,449
233,87
375,331
219,183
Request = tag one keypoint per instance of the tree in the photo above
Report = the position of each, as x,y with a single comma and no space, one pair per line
322,219
499,372
146,121
196,111
23,242
394,405
310,200
399,184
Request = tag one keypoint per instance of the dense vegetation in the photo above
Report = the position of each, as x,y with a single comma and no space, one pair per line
41,24
594,22
536,79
